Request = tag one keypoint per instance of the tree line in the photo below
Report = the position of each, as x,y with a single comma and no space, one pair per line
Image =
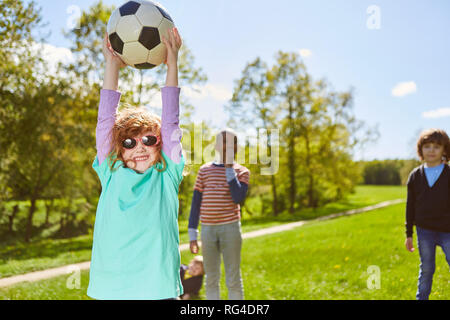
387,172
48,120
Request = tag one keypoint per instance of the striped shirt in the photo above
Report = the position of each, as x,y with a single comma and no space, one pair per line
217,206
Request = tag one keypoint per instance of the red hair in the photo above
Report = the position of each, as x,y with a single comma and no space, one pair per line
130,122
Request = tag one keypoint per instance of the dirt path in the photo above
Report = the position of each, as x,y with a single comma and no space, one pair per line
69,269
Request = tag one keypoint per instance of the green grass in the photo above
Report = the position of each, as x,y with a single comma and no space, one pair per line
320,260
19,258
22,258
330,260
364,195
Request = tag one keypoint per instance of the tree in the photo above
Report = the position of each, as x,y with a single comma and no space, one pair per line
322,134
17,21
46,135
318,130
34,135
251,103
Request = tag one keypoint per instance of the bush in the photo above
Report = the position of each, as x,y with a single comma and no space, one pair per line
387,172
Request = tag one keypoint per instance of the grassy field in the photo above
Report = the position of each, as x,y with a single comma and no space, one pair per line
21,258
320,260
330,260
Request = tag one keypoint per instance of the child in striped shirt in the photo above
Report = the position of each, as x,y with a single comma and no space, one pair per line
219,189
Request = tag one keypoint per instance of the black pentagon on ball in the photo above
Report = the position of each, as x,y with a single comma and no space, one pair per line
129,8
164,13
149,37
144,65
116,42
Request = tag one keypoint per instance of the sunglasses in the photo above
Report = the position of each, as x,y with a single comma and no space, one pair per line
148,141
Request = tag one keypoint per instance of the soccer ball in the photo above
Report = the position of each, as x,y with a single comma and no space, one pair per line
134,31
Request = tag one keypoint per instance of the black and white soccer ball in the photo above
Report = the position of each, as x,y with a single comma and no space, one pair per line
134,31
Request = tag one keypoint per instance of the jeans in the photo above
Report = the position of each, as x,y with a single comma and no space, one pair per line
222,240
427,240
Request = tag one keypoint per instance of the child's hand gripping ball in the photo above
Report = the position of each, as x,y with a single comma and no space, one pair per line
135,30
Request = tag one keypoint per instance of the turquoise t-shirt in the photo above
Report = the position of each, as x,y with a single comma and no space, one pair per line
135,252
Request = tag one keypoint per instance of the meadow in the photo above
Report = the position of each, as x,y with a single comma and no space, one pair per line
332,259
20,257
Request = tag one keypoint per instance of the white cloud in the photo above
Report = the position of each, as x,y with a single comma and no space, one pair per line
51,54
56,54
208,91
305,53
437,113
404,88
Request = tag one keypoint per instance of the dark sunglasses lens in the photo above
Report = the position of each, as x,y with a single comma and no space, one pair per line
129,143
149,140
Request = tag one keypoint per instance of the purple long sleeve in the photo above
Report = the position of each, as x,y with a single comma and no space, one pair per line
170,128
109,100
170,123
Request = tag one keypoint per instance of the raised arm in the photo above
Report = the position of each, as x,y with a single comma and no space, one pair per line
109,100
170,124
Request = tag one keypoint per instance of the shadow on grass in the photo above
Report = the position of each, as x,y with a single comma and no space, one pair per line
49,248
44,248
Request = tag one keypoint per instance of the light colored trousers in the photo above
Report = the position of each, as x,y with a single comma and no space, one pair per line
222,240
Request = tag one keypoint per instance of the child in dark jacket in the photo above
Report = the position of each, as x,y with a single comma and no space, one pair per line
192,277
428,205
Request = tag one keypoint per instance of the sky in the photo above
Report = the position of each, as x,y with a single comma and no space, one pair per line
394,54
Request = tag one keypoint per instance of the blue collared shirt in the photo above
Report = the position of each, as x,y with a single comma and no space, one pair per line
433,173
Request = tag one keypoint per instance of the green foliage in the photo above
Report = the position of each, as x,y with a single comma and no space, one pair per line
317,129
58,111
382,172
48,119
196,138
387,172
38,129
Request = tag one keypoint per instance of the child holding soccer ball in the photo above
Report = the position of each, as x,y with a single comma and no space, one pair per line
139,162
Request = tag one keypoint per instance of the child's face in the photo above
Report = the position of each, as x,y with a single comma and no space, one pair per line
226,147
195,269
141,157
432,152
